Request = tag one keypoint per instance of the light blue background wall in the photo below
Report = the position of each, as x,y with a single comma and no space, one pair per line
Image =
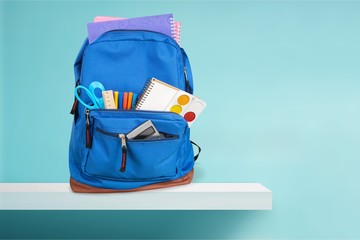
281,79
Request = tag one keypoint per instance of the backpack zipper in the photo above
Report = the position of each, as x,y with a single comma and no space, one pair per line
132,110
88,141
124,150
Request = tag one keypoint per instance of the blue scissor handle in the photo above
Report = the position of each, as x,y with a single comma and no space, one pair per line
92,87
97,102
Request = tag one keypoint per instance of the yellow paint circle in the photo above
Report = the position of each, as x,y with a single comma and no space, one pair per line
183,100
176,109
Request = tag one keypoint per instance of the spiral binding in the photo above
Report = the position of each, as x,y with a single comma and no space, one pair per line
172,27
145,93
175,30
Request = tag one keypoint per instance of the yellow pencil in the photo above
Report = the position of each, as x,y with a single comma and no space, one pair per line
116,99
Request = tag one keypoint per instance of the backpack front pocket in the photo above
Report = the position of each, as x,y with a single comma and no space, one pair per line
113,156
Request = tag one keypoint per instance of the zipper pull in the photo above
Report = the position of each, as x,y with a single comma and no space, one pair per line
88,133
187,85
74,106
76,102
124,149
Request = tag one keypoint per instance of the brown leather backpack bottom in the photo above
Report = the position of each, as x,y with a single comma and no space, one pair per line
83,188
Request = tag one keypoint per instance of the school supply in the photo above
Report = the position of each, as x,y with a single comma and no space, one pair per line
134,101
106,18
160,96
116,99
101,156
176,25
159,23
146,130
121,97
97,102
177,31
129,101
125,100
108,97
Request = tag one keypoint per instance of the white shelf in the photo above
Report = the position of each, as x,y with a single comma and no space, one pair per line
195,196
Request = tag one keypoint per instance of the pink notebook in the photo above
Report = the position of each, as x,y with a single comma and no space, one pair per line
106,18
175,27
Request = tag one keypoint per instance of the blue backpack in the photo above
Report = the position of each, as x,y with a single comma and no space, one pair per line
124,60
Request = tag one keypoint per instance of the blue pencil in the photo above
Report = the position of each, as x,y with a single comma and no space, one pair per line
121,96
134,101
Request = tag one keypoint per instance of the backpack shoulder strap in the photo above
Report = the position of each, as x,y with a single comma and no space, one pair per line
78,61
77,72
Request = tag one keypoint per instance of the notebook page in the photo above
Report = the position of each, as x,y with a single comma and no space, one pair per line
158,97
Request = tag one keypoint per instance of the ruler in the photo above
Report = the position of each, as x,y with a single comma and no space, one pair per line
108,97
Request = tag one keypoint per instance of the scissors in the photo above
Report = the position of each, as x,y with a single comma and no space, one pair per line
97,102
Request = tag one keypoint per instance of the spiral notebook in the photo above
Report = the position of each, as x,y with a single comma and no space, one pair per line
160,96
176,25
159,23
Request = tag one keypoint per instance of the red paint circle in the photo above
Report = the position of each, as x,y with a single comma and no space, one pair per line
189,116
